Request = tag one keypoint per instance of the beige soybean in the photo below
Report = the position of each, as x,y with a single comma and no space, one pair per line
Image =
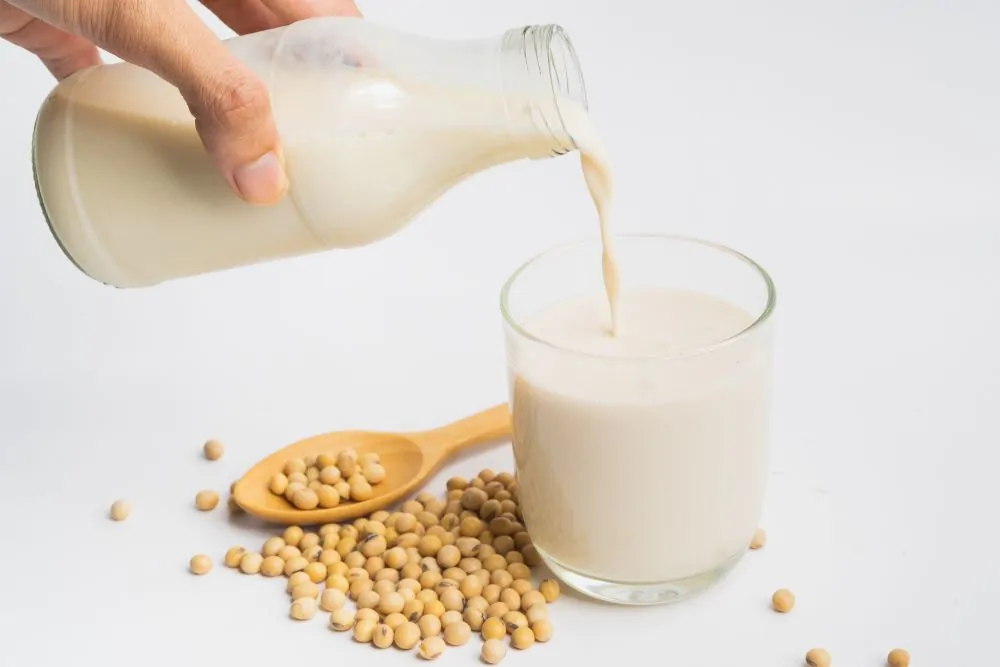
783,600
364,630
390,603
308,541
358,587
530,599
449,556
303,609
470,587
531,557
394,620
817,657
292,535
382,637
295,564
494,563
537,613
329,475
374,473
305,499
478,603
251,562
373,545
316,571
492,593
451,617
411,584
295,580
329,557
213,450
514,620
366,615
519,570
339,582
427,596
435,608
431,648
496,610
430,625
278,483
510,598
493,651
898,657
342,619
413,609
522,638
758,540
313,553
493,628
306,589
455,574
206,501
327,496
452,599
549,588
355,560
332,599
522,586
272,566
293,466
406,635
272,546
288,552
200,564
542,630
233,556
475,618
368,599
471,565
501,578
457,634
384,587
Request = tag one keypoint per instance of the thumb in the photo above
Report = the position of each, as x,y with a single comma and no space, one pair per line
231,106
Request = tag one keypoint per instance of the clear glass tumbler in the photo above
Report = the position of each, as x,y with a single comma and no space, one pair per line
641,475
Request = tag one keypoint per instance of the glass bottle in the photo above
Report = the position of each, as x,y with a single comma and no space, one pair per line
376,124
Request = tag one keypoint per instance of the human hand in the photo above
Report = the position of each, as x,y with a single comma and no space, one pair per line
231,107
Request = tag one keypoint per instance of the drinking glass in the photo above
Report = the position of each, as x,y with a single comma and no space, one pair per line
641,477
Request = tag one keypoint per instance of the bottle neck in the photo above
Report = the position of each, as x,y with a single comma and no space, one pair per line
542,84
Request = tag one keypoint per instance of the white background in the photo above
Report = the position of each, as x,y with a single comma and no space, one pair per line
851,147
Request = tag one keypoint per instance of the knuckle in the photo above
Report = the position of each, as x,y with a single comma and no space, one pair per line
240,98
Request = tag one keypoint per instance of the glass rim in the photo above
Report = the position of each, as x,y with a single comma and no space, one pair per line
762,318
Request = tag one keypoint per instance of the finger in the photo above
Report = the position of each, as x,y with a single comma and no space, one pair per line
289,11
231,106
243,16
60,52
246,16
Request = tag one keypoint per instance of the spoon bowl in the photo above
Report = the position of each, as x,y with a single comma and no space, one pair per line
408,458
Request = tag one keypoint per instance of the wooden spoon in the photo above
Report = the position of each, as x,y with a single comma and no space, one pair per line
408,458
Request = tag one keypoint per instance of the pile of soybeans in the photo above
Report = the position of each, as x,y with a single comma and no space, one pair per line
427,576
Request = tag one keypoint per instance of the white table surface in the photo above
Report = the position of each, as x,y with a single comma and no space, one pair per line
851,147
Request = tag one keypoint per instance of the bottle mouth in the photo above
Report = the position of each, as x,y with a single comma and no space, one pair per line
564,65
547,65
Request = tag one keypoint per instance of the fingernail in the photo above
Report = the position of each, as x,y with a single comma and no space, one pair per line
263,181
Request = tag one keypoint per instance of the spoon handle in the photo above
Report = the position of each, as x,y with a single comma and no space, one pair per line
491,424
